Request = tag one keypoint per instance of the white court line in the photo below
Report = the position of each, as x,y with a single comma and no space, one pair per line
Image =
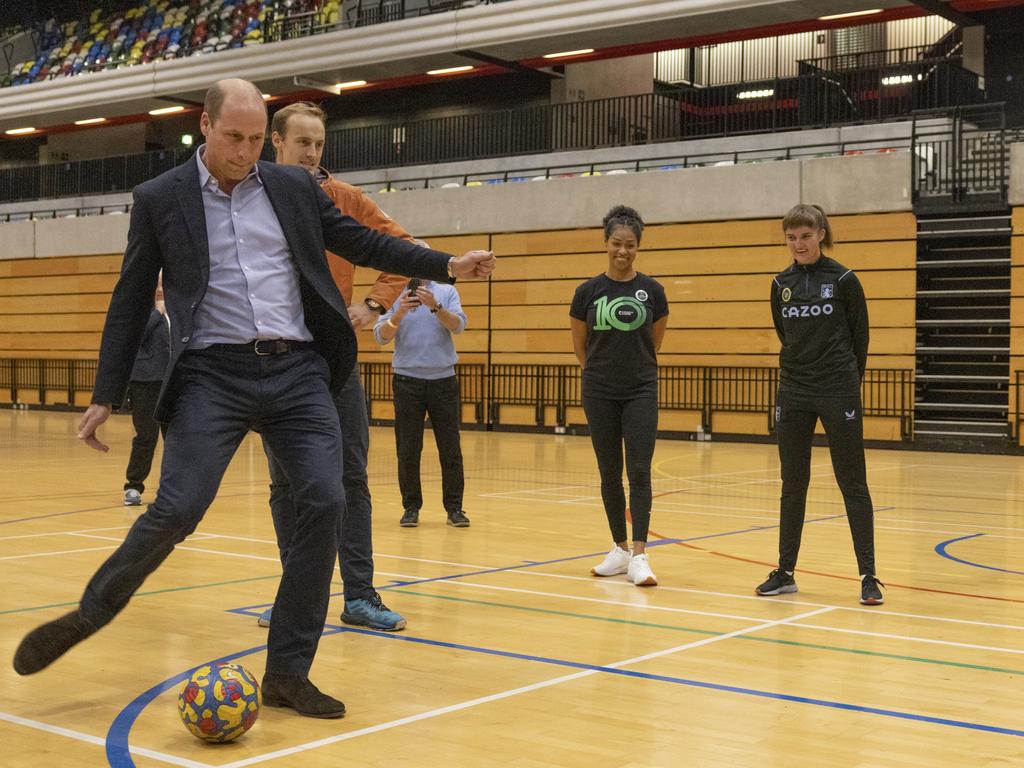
913,638
508,694
64,533
871,611
48,554
98,741
201,536
230,554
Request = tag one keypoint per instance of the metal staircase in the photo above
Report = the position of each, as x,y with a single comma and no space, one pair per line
963,326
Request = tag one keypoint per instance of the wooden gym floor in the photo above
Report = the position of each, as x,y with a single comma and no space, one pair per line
514,655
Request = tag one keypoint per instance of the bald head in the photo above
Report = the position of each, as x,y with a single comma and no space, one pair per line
234,122
232,93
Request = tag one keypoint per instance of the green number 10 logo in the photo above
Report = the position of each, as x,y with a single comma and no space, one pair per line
615,314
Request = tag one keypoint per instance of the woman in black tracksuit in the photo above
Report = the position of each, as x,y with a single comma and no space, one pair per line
821,318
618,321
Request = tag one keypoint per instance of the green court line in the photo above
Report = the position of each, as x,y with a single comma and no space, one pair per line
151,592
692,630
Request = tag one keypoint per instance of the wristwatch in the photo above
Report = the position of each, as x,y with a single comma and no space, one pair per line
451,275
375,306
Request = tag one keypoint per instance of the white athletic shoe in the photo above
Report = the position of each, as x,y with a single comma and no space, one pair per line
614,563
640,572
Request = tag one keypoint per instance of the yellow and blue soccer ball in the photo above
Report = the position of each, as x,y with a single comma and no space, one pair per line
219,702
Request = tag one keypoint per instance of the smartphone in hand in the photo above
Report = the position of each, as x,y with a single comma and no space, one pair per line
414,285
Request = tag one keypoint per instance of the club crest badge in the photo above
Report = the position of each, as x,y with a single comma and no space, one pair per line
641,295
827,291
787,294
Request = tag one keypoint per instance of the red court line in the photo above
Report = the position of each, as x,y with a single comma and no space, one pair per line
821,573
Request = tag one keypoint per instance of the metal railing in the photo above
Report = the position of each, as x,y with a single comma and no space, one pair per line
46,379
960,153
816,99
885,392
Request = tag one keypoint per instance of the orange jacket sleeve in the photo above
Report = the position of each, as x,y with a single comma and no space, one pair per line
352,201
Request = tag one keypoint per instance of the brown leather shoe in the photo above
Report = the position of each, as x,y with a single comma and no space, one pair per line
48,642
299,694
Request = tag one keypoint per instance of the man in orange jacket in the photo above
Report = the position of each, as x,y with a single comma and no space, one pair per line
298,132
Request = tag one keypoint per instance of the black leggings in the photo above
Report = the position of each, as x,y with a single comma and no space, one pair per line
635,423
842,419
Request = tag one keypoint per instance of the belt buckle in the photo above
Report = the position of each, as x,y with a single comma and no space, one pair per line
256,347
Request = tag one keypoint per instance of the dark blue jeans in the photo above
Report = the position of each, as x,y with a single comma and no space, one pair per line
218,397
355,553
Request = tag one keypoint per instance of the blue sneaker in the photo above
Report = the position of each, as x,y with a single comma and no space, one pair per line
264,619
372,613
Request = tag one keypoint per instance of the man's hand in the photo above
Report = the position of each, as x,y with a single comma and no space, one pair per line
408,303
474,264
361,316
426,298
95,415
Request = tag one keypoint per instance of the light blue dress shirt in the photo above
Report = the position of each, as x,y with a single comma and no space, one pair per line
424,348
253,291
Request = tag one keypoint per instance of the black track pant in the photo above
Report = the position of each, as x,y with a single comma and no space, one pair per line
841,417
635,424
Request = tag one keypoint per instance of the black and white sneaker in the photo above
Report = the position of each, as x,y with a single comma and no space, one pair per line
870,594
778,583
410,518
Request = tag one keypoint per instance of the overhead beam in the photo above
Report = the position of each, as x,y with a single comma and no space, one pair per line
512,66
947,11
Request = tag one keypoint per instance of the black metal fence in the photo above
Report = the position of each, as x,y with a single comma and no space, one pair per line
46,380
814,99
548,389
960,154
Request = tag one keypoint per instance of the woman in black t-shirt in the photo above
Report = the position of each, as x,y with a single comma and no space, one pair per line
618,321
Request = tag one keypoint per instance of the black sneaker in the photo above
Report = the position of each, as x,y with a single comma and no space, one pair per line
410,519
458,519
778,583
870,594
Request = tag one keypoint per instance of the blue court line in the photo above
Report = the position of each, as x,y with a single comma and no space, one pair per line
60,514
118,753
119,756
943,549
117,737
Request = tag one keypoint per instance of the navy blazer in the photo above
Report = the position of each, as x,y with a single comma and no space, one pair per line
151,361
168,231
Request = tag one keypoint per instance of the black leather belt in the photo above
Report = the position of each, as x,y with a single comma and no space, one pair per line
263,347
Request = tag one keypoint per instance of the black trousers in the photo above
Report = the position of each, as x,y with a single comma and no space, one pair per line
144,396
842,418
633,424
438,399
219,397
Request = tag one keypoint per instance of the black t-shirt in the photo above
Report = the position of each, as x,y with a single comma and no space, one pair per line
621,361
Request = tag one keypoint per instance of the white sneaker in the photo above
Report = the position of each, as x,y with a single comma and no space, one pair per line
614,563
640,572
132,498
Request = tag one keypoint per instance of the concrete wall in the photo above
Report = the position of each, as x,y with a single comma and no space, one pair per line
95,143
861,184
628,76
857,184
1017,174
17,240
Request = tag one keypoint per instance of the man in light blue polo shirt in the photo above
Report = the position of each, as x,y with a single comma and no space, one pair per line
421,323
